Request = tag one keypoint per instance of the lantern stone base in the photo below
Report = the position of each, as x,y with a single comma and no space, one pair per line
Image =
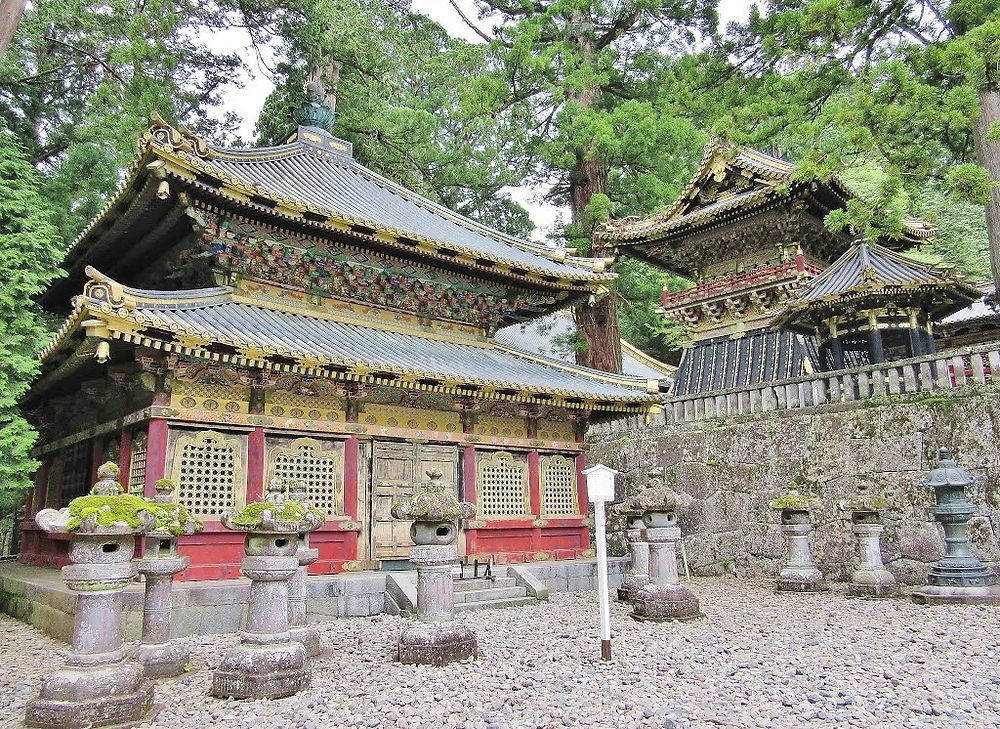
942,595
660,603
262,672
799,579
436,644
631,587
162,660
872,583
81,698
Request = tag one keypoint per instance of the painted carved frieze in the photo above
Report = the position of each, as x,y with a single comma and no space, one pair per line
342,273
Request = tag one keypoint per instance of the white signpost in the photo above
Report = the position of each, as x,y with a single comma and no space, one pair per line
600,490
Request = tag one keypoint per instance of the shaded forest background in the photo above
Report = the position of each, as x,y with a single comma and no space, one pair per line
605,106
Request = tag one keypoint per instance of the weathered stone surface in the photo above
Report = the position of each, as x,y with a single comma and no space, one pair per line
733,468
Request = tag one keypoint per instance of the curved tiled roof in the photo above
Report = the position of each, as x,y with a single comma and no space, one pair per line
196,321
315,173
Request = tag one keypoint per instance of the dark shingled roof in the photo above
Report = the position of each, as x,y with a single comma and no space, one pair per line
722,363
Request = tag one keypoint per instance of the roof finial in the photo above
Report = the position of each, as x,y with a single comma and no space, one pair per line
315,111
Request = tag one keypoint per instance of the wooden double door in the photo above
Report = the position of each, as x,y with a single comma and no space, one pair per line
394,467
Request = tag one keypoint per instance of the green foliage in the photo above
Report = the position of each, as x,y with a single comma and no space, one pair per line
638,289
397,81
794,501
898,85
81,80
29,253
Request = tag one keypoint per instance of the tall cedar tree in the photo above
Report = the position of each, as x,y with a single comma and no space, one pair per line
910,84
581,72
80,81
392,76
29,255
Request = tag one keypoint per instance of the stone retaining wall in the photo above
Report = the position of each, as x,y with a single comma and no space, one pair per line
733,467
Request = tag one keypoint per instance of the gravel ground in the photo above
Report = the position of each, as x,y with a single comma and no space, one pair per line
757,659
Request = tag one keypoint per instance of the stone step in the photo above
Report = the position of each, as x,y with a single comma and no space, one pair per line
485,604
497,593
482,584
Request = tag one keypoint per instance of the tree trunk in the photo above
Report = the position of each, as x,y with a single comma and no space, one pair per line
329,77
10,17
988,155
597,319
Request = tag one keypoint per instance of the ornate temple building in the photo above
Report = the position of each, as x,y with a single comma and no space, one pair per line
749,234
238,316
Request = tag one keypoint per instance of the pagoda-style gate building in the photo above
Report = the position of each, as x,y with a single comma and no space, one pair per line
238,316
749,234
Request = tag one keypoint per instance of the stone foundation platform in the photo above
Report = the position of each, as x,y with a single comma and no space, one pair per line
101,711
939,595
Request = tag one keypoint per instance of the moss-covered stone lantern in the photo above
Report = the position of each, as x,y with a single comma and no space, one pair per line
663,597
267,664
798,573
159,656
100,683
871,578
435,637
958,576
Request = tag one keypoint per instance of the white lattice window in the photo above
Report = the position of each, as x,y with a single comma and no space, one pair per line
137,464
503,485
208,472
559,486
321,468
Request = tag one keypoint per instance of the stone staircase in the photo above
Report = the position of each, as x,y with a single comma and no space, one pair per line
481,593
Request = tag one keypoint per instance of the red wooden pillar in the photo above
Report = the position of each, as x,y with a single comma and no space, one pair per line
255,464
125,457
352,457
36,499
156,454
535,496
534,482
469,474
96,456
581,483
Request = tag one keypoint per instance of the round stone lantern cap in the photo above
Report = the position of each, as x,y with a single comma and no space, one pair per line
432,501
105,511
276,515
948,474
175,520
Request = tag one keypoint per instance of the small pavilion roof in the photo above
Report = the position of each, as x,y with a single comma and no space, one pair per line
222,324
870,271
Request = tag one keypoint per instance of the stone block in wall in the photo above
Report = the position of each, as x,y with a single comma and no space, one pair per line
763,540
920,541
686,445
983,540
725,511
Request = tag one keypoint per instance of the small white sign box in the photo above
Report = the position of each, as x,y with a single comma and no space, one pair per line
600,490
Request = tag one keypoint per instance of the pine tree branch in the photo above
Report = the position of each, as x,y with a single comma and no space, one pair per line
104,64
469,23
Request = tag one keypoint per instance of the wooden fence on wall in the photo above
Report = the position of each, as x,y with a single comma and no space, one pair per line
929,374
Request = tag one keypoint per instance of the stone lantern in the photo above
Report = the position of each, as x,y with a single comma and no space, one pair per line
871,578
663,597
267,664
160,562
798,574
298,616
435,637
100,683
958,576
